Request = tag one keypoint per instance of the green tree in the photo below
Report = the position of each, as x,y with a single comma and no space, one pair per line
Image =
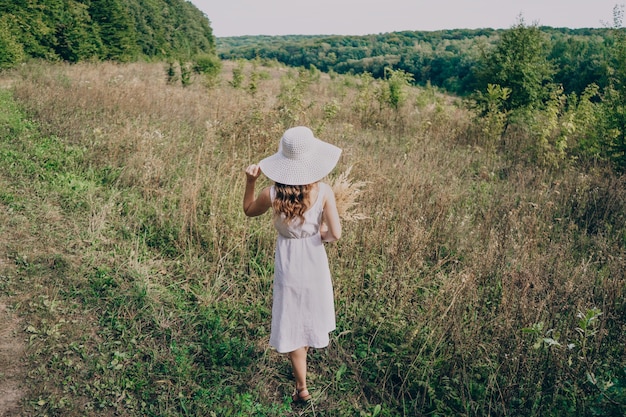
30,26
579,61
116,29
614,101
74,39
520,63
11,51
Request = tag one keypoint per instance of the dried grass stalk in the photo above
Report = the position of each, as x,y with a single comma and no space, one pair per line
347,193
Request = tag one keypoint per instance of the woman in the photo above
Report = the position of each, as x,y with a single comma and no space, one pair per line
305,216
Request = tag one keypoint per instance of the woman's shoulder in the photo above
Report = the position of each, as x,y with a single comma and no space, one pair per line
324,186
326,191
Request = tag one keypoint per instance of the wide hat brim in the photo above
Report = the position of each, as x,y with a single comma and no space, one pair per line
320,159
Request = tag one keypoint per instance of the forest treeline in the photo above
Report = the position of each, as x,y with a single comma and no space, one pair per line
118,30
445,58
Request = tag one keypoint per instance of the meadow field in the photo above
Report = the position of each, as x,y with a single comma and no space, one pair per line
470,281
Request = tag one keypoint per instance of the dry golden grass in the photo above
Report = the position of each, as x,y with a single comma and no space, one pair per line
347,193
448,250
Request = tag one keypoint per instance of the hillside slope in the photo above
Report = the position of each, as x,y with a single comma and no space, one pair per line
480,283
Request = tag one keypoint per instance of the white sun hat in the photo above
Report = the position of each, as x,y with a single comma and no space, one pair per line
301,158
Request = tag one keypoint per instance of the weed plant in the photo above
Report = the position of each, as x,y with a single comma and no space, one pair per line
475,282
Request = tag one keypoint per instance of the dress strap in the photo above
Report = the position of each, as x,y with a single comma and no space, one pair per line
272,193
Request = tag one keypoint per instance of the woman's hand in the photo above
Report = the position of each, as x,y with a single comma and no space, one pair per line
252,172
255,206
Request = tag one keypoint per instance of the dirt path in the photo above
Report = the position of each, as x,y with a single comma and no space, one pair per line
12,349
11,372
12,345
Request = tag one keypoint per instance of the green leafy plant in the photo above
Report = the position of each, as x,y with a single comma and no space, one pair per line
492,117
394,92
185,72
238,75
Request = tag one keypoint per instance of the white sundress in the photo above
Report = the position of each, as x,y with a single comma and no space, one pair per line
303,310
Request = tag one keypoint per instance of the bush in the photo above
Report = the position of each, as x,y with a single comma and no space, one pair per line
207,64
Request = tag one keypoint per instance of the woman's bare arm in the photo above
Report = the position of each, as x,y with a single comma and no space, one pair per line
330,216
255,206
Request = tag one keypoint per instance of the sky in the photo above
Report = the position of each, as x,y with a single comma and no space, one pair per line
364,17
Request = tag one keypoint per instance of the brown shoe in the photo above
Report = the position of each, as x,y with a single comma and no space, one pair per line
301,396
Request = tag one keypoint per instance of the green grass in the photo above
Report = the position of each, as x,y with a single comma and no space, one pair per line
99,337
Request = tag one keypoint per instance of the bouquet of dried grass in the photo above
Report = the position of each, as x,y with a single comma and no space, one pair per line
346,194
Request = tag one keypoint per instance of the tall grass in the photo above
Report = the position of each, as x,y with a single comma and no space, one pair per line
472,286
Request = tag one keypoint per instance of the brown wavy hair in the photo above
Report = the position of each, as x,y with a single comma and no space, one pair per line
292,200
